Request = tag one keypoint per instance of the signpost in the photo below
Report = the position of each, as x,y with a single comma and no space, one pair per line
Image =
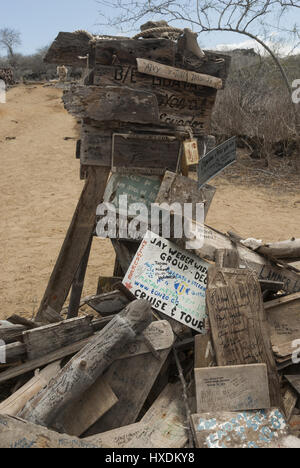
172,279
216,161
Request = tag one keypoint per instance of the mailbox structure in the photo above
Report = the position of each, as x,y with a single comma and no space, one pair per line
138,102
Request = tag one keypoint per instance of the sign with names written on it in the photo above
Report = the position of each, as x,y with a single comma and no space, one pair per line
172,279
216,161
178,74
139,189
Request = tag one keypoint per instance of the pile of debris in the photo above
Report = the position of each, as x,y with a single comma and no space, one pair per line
193,340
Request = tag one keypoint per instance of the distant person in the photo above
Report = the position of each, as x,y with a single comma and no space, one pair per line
62,73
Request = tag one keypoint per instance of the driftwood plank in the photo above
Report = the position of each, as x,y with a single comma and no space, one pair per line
204,354
75,244
88,365
163,426
177,74
125,52
16,402
239,323
179,189
10,333
206,241
232,388
112,103
131,379
41,341
284,320
67,48
84,412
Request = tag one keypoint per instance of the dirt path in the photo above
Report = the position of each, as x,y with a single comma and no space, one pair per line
40,187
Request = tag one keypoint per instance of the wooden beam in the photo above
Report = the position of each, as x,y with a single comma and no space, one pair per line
75,244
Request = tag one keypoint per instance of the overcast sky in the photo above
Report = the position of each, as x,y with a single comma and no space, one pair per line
40,21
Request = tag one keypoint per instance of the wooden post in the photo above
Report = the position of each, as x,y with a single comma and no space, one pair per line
78,283
89,364
74,246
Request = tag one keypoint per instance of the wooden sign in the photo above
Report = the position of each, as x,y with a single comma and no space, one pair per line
178,74
139,153
179,104
232,388
142,153
176,188
139,189
216,161
112,103
253,429
239,323
284,321
173,280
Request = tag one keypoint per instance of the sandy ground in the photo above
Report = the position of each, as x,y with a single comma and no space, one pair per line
40,187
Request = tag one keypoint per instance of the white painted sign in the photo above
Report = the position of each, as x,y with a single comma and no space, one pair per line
172,279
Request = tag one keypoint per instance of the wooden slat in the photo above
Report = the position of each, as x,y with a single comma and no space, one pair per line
41,341
75,243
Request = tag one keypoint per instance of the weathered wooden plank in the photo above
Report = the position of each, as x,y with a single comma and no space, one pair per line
85,411
68,47
75,243
205,242
204,353
232,388
10,333
294,380
253,429
109,303
125,52
177,74
239,323
180,104
131,380
19,434
285,249
112,103
290,399
88,365
179,189
16,402
13,352
143,153
284,322
41,341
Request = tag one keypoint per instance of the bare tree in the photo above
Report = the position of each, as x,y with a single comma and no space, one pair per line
9,40
256,19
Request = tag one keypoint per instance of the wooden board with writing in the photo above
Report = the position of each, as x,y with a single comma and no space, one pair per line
180,104
284,320
232,388
239,323
179,189
216,161
149,67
